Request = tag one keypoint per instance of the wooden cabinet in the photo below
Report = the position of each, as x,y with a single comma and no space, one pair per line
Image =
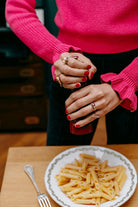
23,99
27,80
23,114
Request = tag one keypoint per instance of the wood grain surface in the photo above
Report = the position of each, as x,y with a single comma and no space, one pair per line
38,139
17,189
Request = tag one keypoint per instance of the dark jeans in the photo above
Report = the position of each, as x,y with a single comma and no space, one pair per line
121,124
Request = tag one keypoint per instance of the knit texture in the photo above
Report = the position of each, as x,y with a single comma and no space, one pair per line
125,83
101,27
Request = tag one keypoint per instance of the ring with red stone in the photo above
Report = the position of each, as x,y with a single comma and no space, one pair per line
93,106
76,57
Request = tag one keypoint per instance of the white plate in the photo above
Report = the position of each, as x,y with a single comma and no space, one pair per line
68,156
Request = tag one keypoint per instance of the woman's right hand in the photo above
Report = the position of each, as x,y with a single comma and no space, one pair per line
72,69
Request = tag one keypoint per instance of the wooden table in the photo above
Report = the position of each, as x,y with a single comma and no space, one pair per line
18,191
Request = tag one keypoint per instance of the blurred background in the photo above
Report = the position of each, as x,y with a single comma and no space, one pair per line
23,81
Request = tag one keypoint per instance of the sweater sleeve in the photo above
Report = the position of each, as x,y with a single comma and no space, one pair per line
23,21
125,84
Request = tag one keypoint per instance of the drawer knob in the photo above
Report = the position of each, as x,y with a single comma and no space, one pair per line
32,120
27,89
27,72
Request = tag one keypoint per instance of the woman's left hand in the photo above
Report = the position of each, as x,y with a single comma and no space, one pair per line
91,102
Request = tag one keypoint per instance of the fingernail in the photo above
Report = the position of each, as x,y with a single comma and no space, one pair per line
88,66
66,111
78,85
77,125
86,73
84,78
91,76
68,117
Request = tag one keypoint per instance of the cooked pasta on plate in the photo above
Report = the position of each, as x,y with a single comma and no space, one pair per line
90,176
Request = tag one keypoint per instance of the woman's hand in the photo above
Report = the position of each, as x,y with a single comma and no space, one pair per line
91,102
72,69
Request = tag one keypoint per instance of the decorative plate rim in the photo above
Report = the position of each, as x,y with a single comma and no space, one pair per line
80,149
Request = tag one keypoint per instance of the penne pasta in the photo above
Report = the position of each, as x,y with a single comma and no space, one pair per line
104,164
89,157
94,176
122,181
91,182
109,169
70,166
67,175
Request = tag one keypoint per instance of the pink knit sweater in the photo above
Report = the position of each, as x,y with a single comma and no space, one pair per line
100,27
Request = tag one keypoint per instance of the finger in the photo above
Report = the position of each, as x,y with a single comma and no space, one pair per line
97,114
70,82
78,60
72,86
85,111
57,72
74,105
82,58
87,120
92,68
77,63
71,79
92,71
66,70
77,95
79,106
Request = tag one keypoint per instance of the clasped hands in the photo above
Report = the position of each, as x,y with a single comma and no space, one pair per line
91,101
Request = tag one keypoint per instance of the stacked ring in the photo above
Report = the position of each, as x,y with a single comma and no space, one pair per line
65,60
76,57
93,106
58,80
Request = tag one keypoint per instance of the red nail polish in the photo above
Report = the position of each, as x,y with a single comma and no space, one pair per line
86,73
84,79
65,106
88,66
74,128
77,125
68,117
78,85
91,76
66,111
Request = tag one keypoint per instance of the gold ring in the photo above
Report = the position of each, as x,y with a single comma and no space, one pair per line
93,106
65,60
58,80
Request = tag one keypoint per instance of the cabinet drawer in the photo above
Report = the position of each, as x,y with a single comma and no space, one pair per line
11,103
23,114
31,71
22,88
23,121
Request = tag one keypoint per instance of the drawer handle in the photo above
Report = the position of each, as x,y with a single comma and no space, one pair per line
32,120
27,89
27,72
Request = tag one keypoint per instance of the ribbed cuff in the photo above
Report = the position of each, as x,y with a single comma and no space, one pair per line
124,86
